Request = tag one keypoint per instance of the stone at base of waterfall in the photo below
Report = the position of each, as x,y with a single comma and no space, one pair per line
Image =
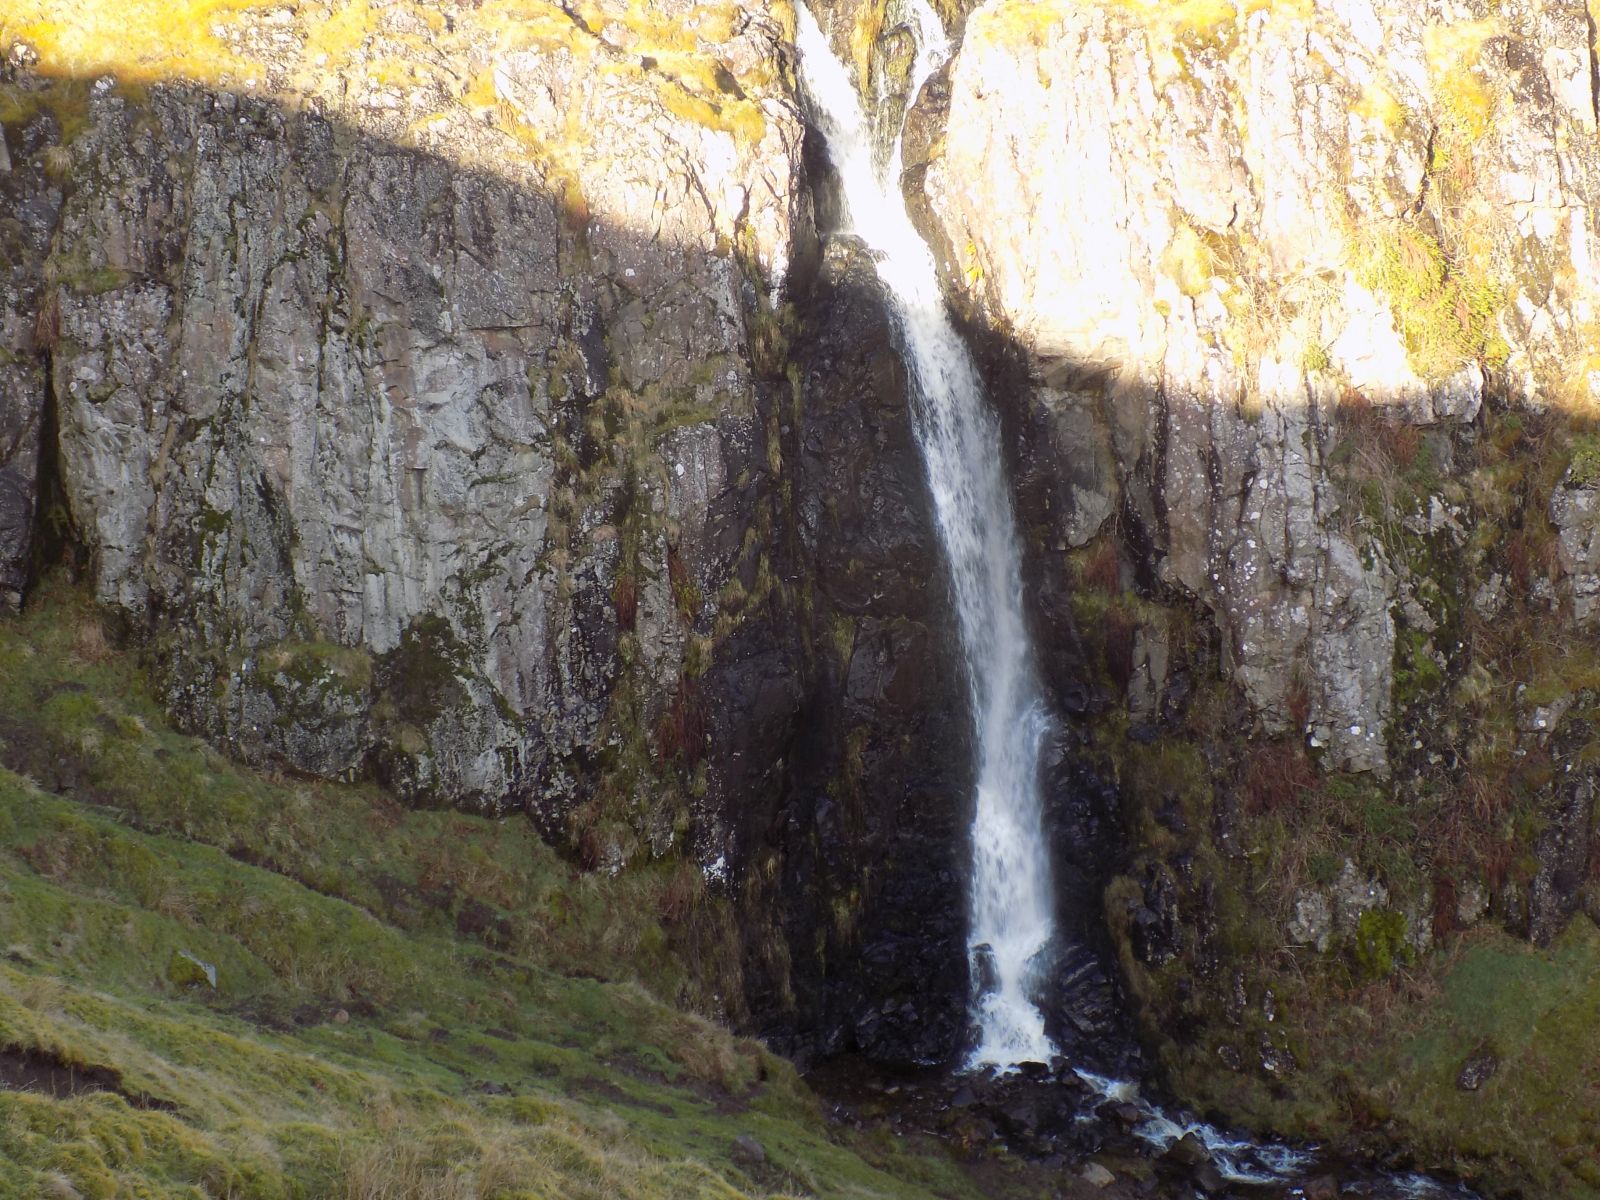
1193,1160
1096,1176
1188,1151
1124,1113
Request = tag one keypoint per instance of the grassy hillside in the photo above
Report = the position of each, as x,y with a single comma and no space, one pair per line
405,1003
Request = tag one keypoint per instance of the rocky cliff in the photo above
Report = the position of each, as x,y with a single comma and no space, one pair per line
461,398
1229,237
1300,302
476,397
397,412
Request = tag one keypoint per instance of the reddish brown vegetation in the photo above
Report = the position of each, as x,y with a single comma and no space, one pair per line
1277,775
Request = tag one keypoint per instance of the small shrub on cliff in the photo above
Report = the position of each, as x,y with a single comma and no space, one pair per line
1445,314
1379,944
626,597
1372,432
681,731
1100,569
1277,776
1584,468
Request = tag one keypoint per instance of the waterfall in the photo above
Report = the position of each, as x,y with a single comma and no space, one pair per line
1010,927
1010,917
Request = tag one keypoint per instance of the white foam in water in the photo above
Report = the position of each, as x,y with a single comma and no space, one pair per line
1010,910
1238,1160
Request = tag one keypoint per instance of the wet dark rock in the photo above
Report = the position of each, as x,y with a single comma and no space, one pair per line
1188,1151
870,819
1209,1179
1023,1116
1562,850
1125,1114
1157,923
1171,816
1084,1011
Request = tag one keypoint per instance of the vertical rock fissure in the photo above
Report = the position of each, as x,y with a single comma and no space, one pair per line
54,540
1011,926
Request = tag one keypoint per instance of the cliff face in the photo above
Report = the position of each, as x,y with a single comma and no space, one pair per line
477,397
1216,234
1301,312
493,425
397,415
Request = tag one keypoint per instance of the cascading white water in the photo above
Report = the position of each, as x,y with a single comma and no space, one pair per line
1011,922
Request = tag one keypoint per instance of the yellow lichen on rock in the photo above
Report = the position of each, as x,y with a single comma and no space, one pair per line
1452,52
138,40
1378,103
338,51
1188,261
1193,23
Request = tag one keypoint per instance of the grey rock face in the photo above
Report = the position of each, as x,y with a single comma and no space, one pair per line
1217,241
29,325
1336,910
1575,513
379,439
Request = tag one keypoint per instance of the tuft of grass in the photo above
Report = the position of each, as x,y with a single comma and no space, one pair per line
1188,261
1445,314
1378,103
1452,52
1584,468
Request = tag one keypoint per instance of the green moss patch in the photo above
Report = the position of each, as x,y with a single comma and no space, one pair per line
1445,312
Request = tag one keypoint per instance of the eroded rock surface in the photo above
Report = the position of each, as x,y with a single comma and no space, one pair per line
1214,235
498,431
414,445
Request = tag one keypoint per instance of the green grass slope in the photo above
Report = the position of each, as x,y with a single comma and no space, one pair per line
406,1004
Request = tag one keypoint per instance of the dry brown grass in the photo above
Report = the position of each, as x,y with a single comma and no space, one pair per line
56,1186
1277,777
1381,439
682,892
403,1170
1118,631
626,597
680,734
1101,568
47,324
